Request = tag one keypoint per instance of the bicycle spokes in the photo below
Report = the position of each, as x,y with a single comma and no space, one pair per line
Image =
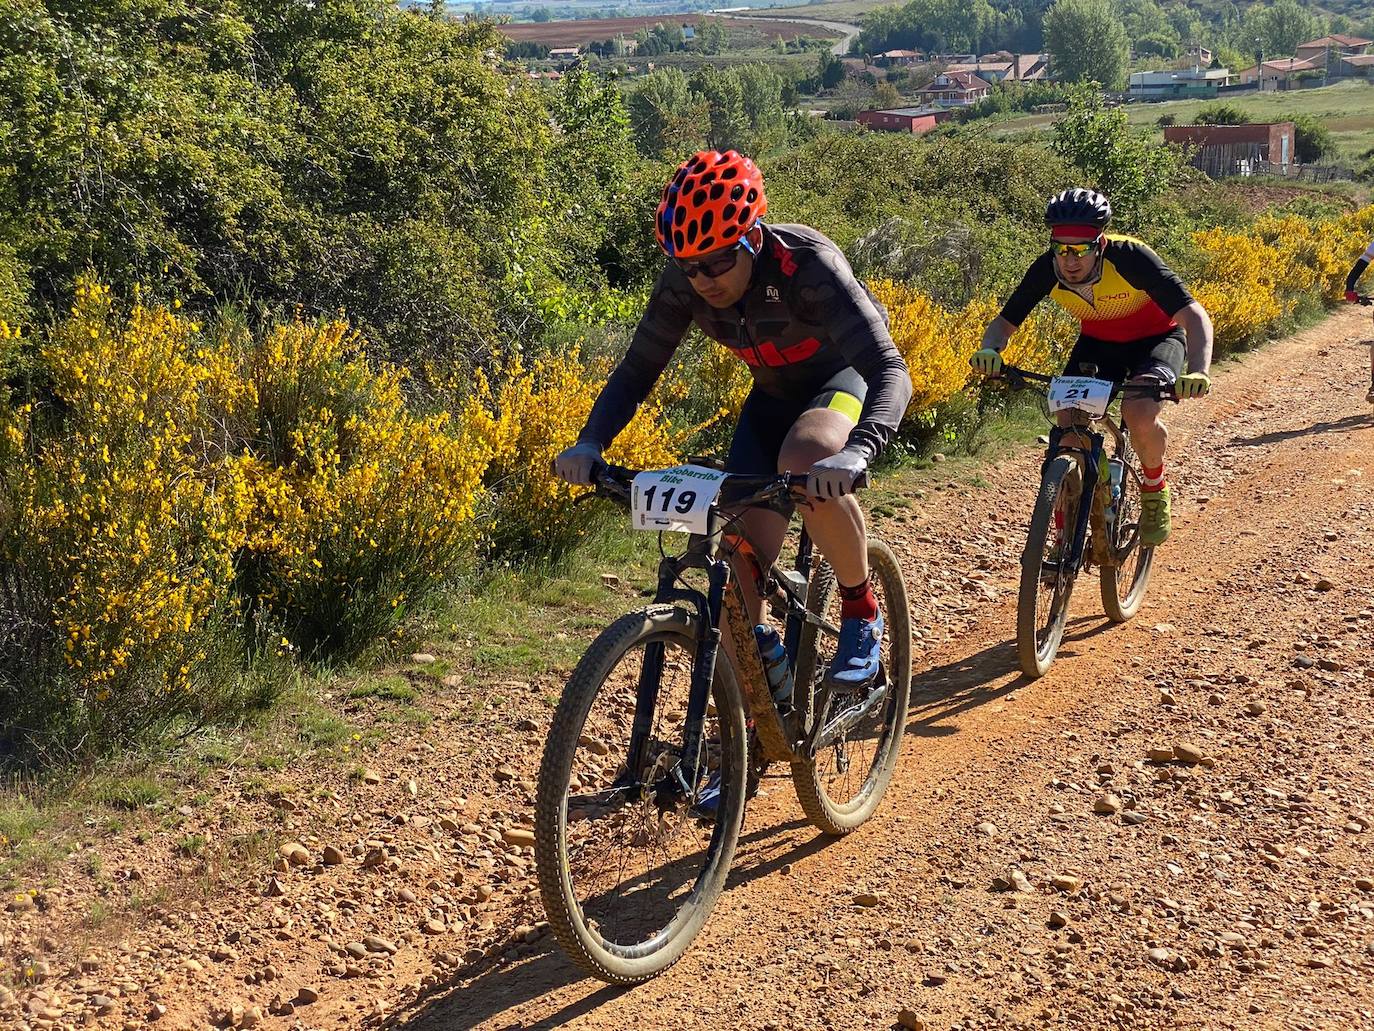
635,837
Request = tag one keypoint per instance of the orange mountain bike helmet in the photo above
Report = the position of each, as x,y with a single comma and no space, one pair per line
712,200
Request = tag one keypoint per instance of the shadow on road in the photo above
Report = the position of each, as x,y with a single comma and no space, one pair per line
942,692
494,988
1350,422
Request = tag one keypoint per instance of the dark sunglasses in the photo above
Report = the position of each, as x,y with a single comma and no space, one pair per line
714,268
1076,250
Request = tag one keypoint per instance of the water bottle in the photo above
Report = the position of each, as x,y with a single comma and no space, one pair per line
1115,470
775,665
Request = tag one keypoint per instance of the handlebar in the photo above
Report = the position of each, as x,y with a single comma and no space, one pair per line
738,490
1018,378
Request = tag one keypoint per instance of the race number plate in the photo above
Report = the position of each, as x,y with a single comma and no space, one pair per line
674,499
1080,393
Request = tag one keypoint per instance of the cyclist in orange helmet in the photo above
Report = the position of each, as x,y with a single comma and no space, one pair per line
829,385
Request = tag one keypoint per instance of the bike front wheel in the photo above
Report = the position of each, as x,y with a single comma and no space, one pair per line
841,786
631,861
1042,607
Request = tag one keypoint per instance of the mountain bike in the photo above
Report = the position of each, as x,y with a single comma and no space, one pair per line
658,737
1066,536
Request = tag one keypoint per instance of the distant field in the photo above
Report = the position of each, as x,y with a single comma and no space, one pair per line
836,10
1347,109
575,33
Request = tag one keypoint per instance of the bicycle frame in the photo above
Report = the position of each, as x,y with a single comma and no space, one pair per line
779,736
1096,430
703,552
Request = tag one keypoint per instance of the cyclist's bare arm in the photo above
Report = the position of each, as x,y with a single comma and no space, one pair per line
1197,324
998,333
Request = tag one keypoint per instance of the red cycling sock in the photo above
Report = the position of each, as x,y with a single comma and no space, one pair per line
858,602
1152,480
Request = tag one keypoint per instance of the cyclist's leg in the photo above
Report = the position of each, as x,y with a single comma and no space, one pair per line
1159,360
759,434
837,525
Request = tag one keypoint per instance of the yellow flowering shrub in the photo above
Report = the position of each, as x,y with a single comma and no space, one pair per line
534,414
359,505
937,342
1238,283
116,549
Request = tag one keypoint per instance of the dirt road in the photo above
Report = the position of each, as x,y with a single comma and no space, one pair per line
1235,892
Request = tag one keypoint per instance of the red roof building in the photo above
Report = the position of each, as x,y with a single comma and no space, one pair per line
915,120
1225,150
956,89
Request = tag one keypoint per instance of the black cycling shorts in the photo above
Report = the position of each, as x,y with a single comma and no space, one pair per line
765,421
1159,357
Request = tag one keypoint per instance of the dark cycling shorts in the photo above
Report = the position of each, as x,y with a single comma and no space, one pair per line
1159,357
765,421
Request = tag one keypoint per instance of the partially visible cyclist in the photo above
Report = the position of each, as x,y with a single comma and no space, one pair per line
829,385
1137,323
1351,295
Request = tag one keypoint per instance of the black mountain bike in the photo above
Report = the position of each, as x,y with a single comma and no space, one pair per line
658,739
1067,535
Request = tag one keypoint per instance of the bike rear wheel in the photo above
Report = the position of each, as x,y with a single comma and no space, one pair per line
1124,582
629,875
1042,607
840,788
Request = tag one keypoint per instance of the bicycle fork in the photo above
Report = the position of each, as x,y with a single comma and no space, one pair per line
686,772
1090,459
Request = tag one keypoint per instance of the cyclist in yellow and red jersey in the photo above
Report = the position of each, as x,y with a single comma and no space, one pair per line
1361,263
1139,324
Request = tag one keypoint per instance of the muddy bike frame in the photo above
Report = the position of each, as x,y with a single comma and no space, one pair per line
1084,425
780,736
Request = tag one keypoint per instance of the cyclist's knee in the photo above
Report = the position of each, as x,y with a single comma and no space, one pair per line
816,435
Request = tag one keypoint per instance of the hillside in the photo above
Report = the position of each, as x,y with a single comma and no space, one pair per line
1346,109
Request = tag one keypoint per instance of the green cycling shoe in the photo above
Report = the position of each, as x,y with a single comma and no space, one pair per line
1154,517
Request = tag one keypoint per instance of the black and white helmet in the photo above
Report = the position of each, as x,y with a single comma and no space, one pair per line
1079,207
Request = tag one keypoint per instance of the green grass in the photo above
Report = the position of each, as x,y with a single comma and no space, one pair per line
318,728
20,820
518,622
98,913
1347,109
391,688
131,792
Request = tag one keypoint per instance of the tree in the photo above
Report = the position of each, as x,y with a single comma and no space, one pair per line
1222,114
1312,139
592,153
725,105
1117,160
1087,42
541,14
886,96
762,90
666,117
1280,27
713,37
830,70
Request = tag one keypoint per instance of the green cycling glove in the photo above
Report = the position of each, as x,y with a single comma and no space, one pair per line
987,361
1193,384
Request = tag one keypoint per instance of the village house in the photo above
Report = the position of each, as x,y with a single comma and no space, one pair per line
956,89
915,120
